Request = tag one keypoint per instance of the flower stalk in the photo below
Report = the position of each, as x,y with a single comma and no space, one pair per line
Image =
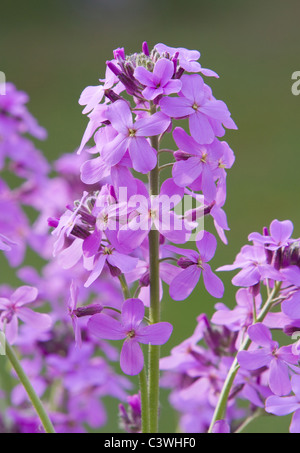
35,400
222,403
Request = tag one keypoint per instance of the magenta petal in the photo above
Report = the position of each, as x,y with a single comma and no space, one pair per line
187,171
248,276
114,151
213,284
207,246
105,327
152,125
201,129
182,286
92,243
292,274
261,335
71,255
156,334
282,406
176,107
98,267
253,360
291,306
131,359
133,311
163,71
120,116
281,231
295,424
24,295
94,170
38,321
279,379
123,262
142,154
11,331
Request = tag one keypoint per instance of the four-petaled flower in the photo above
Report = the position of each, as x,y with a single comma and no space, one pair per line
130,329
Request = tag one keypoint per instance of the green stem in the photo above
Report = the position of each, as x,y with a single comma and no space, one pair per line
124,287
222,403
144,400
36,402
154,351
248,420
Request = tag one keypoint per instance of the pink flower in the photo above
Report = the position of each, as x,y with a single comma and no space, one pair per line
132,331
13,309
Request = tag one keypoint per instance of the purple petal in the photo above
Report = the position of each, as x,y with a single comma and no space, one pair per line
282,406
11,331
279,379
142,154
295,425
187,171
24,295
253,360
213,284
261,335
281,231
94,170
156,334
92,243
201,129
176,107
38,321
131,359
163,71
123,262
183,285
292,275
248,276
152,125
291,306
133,311
114,151
98,267
71,255
105,327
207,246
193,88
120,116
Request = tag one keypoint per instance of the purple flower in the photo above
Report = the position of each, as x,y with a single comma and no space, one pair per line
194,264
187,59
241,317
286,405
195,103
132,330
280,235
253,261
133,137
13,308
196,163
279,360
159,81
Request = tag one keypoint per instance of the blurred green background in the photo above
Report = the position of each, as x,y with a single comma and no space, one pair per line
54,49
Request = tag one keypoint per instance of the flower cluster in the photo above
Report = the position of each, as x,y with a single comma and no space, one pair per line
76,378
131,115
239,341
